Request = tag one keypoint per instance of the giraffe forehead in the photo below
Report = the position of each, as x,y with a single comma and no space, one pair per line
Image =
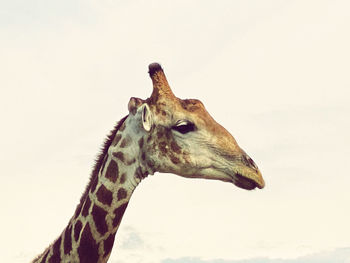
192,105
194,110
191,108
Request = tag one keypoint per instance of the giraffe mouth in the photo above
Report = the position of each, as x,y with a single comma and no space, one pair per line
245,178
244,182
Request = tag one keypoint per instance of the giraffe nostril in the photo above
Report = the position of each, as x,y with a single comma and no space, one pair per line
249,162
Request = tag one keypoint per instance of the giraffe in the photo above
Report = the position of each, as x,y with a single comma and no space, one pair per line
160,134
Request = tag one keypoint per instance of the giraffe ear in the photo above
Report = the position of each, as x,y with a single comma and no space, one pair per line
147,120
134,103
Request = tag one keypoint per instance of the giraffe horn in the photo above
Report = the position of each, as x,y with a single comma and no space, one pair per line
161,87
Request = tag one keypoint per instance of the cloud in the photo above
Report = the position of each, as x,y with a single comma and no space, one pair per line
340,255
132,240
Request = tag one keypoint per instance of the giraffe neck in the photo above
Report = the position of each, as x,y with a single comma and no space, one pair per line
90,234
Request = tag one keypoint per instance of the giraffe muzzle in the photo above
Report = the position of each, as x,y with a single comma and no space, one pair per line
239,169
247,176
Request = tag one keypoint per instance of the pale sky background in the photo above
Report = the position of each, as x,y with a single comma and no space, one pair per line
274,73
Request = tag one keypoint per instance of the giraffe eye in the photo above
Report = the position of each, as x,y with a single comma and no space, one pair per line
184,127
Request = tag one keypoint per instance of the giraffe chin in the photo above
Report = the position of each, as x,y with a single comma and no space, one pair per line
243,178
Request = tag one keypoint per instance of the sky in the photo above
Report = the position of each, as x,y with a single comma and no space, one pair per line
273,73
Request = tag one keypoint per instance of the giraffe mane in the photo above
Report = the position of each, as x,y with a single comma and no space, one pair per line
94,174
99,160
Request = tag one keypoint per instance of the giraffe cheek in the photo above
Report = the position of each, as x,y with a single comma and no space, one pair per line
187,158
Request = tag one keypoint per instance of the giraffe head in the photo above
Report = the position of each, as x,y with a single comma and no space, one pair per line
180,137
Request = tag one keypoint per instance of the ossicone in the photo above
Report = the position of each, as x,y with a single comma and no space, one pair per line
161,88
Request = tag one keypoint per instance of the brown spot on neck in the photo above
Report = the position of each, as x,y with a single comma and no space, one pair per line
77,211
117,139
88,248
104,195
123,178
77,229
99,216
68,240
112,171
125,142
119,156
108,245
130,162
118,214
93,184
122,194
122,127
86,207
